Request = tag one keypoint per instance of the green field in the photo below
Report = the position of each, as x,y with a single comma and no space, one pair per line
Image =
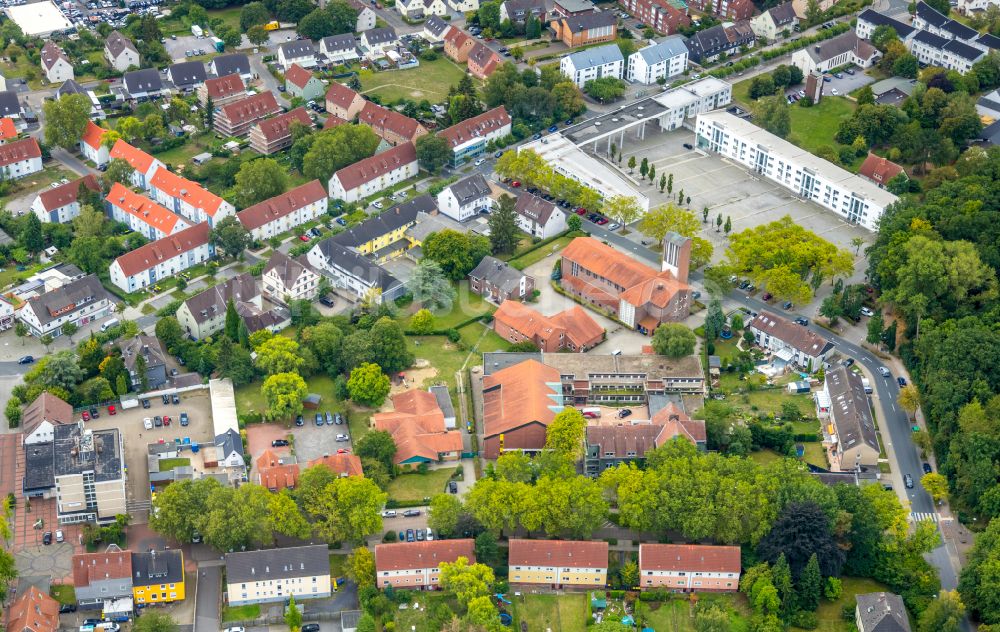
678,615
560,613
420,486
829,613
168,464
465,306
816,126
430,81
548,251
240,613
250,399
63,593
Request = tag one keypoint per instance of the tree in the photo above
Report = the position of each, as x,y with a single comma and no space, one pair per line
936,485
360,567
660,221
445,510
13,412
710,617
278,354
422,322
349,508
230,235
674,340
979,584
629,574
810,585
32,238
728,226
909,399
293,616
285,517
761,86
944,614
180,509
367,385
503,226
466,581
487,550
644,168
433,153
773,115
316,25
252,14
622,208
605,89
866,96
456,252
801,531
573,222
715,320
430,287
336,148
259,180
377,445
232,326
663,183
565,433
153,621
258,35
66,120
652,173
69,329
284,393
631,164
345,16
169,331
389,346
569,99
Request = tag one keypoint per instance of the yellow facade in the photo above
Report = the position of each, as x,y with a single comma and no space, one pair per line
382,240
558,575
160,593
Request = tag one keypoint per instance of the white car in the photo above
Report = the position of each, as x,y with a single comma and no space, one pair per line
235,628
884,372
59,536
147,423
389,513
479,161
867,312
377,204
343,437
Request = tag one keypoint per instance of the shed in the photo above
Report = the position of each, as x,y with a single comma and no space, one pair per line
799,386
202,158
312,401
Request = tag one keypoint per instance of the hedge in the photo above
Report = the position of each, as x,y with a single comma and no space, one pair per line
444,332
543,243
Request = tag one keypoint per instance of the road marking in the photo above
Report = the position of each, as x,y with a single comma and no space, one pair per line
923,517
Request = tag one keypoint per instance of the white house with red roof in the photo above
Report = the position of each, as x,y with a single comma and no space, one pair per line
299,82
470,137
689,567
20,158
160,259
62,204
188,198
91,146
141,214
143,165
55,64
377,173
285,211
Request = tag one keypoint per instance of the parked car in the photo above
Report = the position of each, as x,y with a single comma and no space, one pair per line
409,535
927,468
112,410
411,512
85,416
158,421
849,362
145,403
901,381
326,300
67,607
554,128
420,535
147,423
802,321
515,184
166,399
304,237
787,305
61,538
166,420
94,414
908,481
624,412
47,538
865,311
688,146
338,419
309,627
389,513
452,487
319,419
184,419
176,399
279,443
342,437
298,421
402,536
329,418
26,359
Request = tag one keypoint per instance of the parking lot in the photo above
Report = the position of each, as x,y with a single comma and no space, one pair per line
842,85
312,441
177,48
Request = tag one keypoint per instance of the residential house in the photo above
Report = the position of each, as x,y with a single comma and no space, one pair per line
187,76
390,125
417,9
163,258
20,158
616,444
497,281
33,611
469,138
597,273
285,211
778,21
518,11
188,198
10,105
375,174
153,366
61,204
299,52
354,273
593,63
205,313
457,45
102,576
663,60
81,301
660,15
708,45
343,102
927,18
286,279
274,134
277,472
950,54
274,575
435,29
586,29
40,417
482,61
143,83
571,330
790,342
3,82
416,565
519,402
466,198
689,567
725,9
869,20
342,464
377,41
8,130
384,236
880,612
337,49
143,165
55,64
299,82
538,217
222,90
120,52
232,63
853,436
366,16
463,6
236,118
141,214
92,144
558,564
879,170
158,576
846,48
417,426
6,313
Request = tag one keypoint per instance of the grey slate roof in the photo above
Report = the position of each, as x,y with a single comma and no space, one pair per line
79,293
213,300
443,399
380,35
596,56
289,270
386,222
118,43
297,48
340,42
157,567
667,48
960,30
882,612
188,73
9,103
498,273
926,37
144,80
963,50
427,224
782,14
146,346
839,45
436,25
358,265
587,21
849,408
472,188
232,63
930,15
230,442
70,87
880,19
534,208
990,41
275,564
708,42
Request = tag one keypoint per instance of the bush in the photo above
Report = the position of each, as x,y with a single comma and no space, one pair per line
807,620
390,536
453,335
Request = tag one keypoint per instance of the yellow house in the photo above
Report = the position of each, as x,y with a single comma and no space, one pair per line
158,576
384,236
558,564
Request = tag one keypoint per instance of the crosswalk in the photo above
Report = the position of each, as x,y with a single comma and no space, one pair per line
917,516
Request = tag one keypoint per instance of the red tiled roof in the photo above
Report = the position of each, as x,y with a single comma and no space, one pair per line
518,395
92,567
145,257
7,128
46,407
19,151
274,474
148,211
658,291
343,464
581,328
188,191
136,158
353,176
298,76
281,205
380,118
676,423
692,558
607,262
250,108
93,135
225,86
35,611
280,126
67,193
879,169
417,426
476,126
332,120
484,58
564,553
340,94
415,555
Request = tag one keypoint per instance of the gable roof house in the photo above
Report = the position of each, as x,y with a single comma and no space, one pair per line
941,51
20,158
287,279
707,45
366,16
62,204
435,29
519,402
466,198
539,217
299,52
870,19
153,356
92,146
342,464
374,174
232,63
145,82
417,9
390,125
79,302
593,63
143,165
342,102
55,64
572,329
497,281
376,42
100,576
469,138
846,48
33,611
353,272
689,567
141,214
120,52
879,170
8,129
417,564
881,612
222,90
187,75
417,426
236,118
587,28
385,236
40,417
205,313
612,445
285,211
277,472
274,134
338,48
558,564
188,198
10,104
482,61
457,44
775,22
272,575
667,58
163,258
517,11
158,576
790,342
853,434
299,82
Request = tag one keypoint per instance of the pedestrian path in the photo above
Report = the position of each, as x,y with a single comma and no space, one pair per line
917,516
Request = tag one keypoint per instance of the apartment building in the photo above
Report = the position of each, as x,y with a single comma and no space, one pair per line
205,313
20,158
40,417
274,134
558,564
660,15
662,60
187,76
120,52
33,611
466,198
102,576
539,217
158,576
61,204
869,20
586,29
790,342
274,575
518,11
613,445
222,90
468,139
457,45
80,301
188,198
375,174
55,64
416,565
353,272
482,61
376,42
435,29
390,125
285,211
709,44
154,365
728,9
593,63
497,281
950,54
231,63
297,52
384,236
286,279
881,612
851,197
277,472
571,329
775,22
343,102
236,118
143,165
92,144
141,214
341,464
337,49
163,258
301,83
144,83
689,567
854,436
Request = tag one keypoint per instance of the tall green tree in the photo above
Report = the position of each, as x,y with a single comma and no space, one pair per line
433,153
368,385
504,233
66,119
230,235
565,433
259,180
674,340
232,327
809,587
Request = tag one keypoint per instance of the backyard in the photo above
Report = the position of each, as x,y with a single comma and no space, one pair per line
407,487
816,126
558,613
430,81
829,613
240,613
678,615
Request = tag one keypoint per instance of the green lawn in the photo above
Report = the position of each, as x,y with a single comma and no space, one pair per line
359,422
727,348
250,399
815,454
467,305
417,619
477,333
560,613
764,457
240,613
63,593
337,563
168,464
816,126
419,486
430,80
677,615
547,251
829,612
443,355
182,155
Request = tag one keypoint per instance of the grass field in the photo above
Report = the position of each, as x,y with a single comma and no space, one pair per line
168,464
466,305
337,563
430,81
63,593
559,613
829,612
420,486
815,127
678,615
547,251
815,454
240,613
250,399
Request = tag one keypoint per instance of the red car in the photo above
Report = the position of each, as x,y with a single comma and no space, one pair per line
341,451
602,221
166,421
111,410
304,237
515,183
581,211
86,416
767,296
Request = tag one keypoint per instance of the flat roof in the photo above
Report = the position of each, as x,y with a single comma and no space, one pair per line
39,18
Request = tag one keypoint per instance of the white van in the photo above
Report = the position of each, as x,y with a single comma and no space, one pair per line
108,324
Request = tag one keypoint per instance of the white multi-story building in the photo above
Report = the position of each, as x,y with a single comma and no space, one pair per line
80,301
285,211
663,60
141,214
273,575
338,48
870,19
286,279
299,52
92,146
846,48
416,565
469,138
375,174
950,54
20,158
120,52
851,197
62,204
143,165
55,64
538,217
466,198
775,21
789,342
188,198
689,567
353,272
160,259
593,63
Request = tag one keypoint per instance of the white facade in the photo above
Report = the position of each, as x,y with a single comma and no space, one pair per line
141,224
640,70
366,20
764,27
287,222
306,59
97,155
163,268
21,168
403,172
555,224
948,54
464,6
592,64
60,71
60,215
305,287
125,59
851,197
450,205
339,54
191,201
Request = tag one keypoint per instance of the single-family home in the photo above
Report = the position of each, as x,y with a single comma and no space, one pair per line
417,426
790,342
10,105
469,138
120,52
366,16
593,63
158,576
222,90
587,28
141,214
61,204
102,576
463,6
20,158
231,63
40,417
188,198
299,52
457,45
659,15
497,281
346,464
663,60
539,217
375,174
285,211
709,44
236,118
519,402
376,41
880,612
778,21
846,48
33,611
689,567
558,564
417,9
80,301
163,258
55,64
274,575
92,144
416,565
286,279
390,125
143,165
342,102
277,472
435,29
879,170
187,76
143,83
482,61
274,134
153,366
853,436
518,11
572,329
466,198
337,49
299,82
